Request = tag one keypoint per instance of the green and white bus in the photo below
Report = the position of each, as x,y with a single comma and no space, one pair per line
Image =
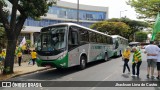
120,43
67,44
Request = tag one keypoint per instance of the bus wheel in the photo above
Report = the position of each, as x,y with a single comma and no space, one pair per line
106,57
82,63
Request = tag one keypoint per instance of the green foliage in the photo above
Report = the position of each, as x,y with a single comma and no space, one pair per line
134,26
7,69
36,8
157,38
112,28
3,38
146,8
1,32
123,26
28,42
141,36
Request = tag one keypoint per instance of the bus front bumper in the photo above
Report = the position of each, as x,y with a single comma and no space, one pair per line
58,63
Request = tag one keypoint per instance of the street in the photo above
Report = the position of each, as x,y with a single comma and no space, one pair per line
60,44
96,71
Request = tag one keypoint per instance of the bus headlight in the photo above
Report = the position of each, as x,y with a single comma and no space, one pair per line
61,57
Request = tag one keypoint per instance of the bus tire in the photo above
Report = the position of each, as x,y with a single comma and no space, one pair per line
82,63
106,57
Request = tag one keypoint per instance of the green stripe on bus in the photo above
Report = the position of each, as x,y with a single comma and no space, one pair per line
58,63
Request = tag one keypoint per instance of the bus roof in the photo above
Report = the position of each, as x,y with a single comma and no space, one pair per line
73,24
115,36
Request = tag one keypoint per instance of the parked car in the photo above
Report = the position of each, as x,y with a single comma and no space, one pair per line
134,44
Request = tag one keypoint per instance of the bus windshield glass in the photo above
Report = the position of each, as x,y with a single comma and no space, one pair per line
53,39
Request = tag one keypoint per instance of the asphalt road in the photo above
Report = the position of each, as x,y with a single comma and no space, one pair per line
96,71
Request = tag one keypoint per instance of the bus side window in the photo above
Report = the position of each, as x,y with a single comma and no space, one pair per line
74,38
84,36
116,44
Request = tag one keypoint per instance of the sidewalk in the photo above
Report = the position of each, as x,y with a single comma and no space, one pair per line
22,70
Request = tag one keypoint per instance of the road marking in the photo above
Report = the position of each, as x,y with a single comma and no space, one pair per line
109,76
104,80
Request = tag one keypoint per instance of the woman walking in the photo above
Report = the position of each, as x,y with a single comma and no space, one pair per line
126,56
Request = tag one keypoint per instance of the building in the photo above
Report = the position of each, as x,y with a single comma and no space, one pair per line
64,12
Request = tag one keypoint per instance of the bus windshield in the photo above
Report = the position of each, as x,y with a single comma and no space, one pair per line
53,40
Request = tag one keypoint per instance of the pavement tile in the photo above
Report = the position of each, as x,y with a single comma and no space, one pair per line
22,70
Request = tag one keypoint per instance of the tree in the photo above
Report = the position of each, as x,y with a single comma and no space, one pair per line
134,26
157,38
141,36
146,8
13,26
112,28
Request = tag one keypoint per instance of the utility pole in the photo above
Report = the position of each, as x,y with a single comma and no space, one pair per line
77,11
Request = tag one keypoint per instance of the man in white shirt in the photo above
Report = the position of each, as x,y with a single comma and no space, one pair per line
158,64
152,52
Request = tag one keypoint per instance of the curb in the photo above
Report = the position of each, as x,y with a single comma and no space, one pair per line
17,75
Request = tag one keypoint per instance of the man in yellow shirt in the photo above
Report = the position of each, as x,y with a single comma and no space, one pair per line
126,57
136,61
34,56
24,48
3,53
19,57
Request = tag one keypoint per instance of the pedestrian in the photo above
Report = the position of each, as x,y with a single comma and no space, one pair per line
1,56
34,56
126,57
19,57
24,49
3,53
28,48
158,64
152,51
136,61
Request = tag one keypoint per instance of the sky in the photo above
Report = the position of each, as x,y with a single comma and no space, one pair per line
115,7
